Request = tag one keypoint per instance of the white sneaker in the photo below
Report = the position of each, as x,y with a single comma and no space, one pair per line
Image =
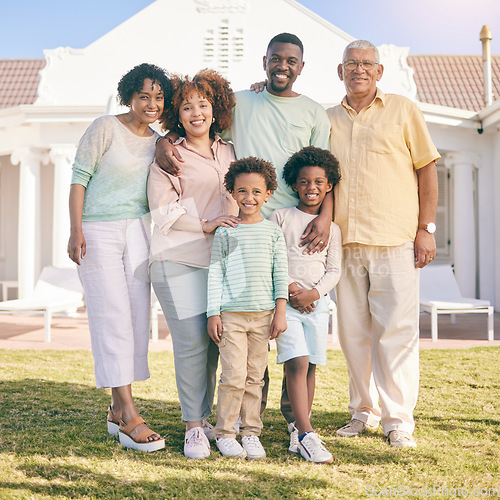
229,447
354,428
196,444
401,439
209,430
253,447
294,438
312,449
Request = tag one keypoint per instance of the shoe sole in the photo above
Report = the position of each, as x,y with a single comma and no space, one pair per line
113,428
197,457
243,454
399,445
128,442
327,461
256,457
348,434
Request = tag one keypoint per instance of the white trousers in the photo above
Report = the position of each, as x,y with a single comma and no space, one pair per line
117,294
378,313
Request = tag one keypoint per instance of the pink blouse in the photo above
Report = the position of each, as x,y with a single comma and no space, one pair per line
178,204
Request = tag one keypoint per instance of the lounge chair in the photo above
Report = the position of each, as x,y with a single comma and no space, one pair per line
57,290
439,294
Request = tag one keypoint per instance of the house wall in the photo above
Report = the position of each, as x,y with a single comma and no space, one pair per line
46,209
9,201
481,151
494,240
238,37
77,85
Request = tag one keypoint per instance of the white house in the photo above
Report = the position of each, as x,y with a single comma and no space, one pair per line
46,105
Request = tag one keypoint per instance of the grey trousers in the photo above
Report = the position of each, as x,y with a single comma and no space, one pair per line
182,292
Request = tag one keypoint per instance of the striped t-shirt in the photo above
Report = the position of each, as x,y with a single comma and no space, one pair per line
248,268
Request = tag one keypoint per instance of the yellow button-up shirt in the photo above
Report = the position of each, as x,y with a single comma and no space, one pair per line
379,150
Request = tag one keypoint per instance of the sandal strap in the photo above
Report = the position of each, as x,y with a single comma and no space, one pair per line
114,417
143,437
128,428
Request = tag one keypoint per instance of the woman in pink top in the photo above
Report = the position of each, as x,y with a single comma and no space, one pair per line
186,210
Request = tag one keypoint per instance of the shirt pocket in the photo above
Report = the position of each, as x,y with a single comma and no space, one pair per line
386,139
295,137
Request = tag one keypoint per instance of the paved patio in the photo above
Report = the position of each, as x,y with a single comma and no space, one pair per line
26,332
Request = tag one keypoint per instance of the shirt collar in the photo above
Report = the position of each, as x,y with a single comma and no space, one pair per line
182,139
379,96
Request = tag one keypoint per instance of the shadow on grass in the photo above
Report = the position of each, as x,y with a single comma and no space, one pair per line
53,419
77,482
53,429
57,437
466,424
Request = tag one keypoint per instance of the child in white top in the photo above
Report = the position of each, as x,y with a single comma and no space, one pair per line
312,173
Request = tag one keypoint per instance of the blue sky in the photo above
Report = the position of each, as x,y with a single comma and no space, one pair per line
426,26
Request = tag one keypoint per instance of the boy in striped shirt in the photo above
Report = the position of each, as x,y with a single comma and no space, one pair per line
247,294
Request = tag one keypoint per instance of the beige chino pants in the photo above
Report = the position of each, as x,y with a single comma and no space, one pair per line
378,312
243,354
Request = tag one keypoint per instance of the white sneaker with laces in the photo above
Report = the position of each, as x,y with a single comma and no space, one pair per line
354,428
294,438
209,430
196,444
229,447
253,447
401,439
312,449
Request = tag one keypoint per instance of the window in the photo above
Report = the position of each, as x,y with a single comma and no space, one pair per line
223,46
443,213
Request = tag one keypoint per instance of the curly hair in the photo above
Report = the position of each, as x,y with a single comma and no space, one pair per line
251,165
311,156
133,81
213,87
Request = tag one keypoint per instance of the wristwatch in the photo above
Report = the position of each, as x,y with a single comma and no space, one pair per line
430,227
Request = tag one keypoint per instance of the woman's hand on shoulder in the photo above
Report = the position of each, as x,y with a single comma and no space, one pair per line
168,157
210,226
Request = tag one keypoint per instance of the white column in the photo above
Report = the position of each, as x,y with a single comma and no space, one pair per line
464,220
62,156
29,234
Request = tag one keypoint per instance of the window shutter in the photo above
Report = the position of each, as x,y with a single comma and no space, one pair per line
442,234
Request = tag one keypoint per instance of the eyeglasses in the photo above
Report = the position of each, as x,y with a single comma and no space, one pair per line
352,65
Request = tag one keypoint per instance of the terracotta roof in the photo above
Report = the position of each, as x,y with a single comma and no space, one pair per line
453,80
19,80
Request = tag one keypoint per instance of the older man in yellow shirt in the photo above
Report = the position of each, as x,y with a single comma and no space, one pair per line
385,206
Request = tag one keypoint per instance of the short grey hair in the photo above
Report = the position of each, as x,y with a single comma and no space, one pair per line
362,45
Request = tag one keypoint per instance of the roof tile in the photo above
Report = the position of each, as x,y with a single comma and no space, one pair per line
453,80
19,79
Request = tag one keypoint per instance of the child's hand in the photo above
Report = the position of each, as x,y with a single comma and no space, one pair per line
303,300
278,326
214,327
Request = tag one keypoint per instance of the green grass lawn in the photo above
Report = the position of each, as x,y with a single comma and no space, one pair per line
54,443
